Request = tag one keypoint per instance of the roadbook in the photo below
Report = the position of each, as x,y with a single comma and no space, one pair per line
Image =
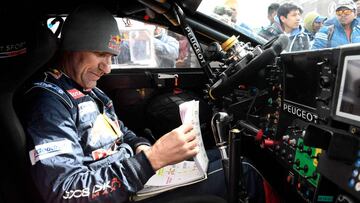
184,173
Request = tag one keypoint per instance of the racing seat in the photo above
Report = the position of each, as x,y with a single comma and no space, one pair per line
24,49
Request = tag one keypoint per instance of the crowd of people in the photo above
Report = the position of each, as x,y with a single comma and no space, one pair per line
341,29
314,31
306,31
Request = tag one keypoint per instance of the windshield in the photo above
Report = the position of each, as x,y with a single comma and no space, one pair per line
310,24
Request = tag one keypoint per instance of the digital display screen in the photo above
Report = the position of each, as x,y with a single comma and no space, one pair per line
301,80
348,98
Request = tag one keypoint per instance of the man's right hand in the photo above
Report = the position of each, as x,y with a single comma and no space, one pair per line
176,146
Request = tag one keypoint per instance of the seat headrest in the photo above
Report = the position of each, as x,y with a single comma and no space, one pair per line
24,48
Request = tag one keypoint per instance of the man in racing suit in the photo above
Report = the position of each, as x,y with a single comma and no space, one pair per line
79,150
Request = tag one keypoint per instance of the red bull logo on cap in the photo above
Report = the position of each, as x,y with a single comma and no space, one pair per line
115,39
114,42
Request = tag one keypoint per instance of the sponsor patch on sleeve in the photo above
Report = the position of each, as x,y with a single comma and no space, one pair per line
49,150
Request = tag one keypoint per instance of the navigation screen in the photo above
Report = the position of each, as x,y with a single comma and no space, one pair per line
301,80
348,102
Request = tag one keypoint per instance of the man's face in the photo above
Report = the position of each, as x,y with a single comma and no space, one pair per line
317,26
85,67
345,15
292,20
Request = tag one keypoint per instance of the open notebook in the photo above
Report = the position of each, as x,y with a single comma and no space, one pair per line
183,173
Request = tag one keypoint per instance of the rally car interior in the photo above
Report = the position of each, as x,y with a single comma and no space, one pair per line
297,115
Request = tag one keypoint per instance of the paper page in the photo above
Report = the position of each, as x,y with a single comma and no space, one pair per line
150,191
185,172
175,174
189,113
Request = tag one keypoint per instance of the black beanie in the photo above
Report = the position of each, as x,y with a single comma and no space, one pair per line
90,28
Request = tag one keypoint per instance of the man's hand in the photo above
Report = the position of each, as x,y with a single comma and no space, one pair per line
175,146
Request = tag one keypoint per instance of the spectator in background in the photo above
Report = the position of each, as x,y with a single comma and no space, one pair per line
228,15
139,40
124,55
331,21
225,14
272,11
345,29
166,48
267,31
313,21
183,61
287,22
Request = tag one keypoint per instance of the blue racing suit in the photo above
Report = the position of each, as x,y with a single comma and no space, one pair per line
80,151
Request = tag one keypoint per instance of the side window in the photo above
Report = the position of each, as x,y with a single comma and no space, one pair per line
149,46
